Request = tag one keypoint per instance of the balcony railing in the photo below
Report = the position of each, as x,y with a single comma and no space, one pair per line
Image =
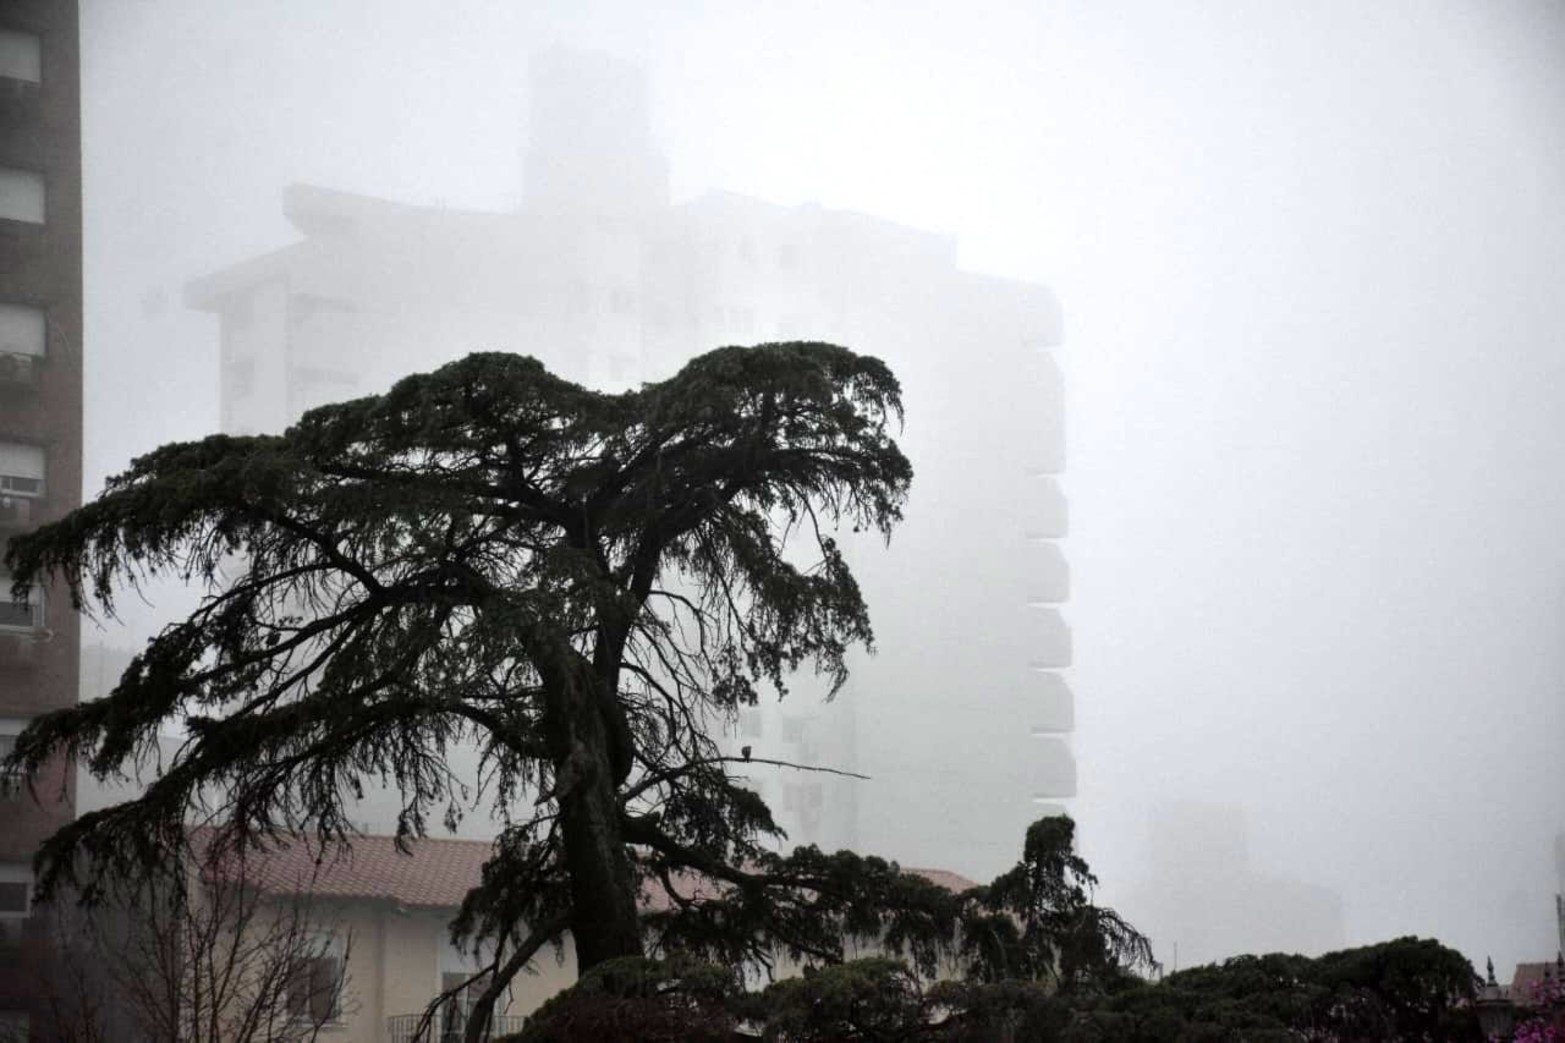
403,1028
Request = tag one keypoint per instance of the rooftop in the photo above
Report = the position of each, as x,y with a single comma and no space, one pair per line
433,873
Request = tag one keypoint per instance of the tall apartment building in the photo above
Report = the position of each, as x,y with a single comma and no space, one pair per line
40,438
605,281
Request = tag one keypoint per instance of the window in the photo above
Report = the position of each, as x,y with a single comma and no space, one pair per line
21,470
457,964
13,898
16,890
458,1008
22,330
13,782
19,615
21,58
21,195
315,983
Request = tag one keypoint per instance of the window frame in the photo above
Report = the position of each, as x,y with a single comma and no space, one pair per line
13,782
18,873
36,603
43,203
322,946
42,491
38,53
453,960
43,313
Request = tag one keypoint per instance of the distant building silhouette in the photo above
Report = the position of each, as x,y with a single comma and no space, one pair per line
599,276
1203,902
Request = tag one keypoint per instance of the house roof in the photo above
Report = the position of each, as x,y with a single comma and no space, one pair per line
436,873
1530,978
433,873
956,883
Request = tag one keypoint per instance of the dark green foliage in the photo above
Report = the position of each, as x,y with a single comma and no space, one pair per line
1415,983
874,1000
1037,922
1000,1012
633,998
1407,989
808,905
582,583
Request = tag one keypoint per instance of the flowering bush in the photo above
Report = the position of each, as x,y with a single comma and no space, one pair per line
1546,1000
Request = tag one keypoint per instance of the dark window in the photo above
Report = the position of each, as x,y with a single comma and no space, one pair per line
18,615
13,896
458,1008
13,781
315,989
21,56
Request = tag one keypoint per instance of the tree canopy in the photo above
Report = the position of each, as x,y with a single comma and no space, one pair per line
583,584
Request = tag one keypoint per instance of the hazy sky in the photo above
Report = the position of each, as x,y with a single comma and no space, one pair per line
1312,261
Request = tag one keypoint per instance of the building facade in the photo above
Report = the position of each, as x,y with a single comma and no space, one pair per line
40,437
383,917
603,279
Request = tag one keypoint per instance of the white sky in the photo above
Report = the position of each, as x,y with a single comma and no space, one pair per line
1311,259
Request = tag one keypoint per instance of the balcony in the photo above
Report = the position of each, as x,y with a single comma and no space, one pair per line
403,1028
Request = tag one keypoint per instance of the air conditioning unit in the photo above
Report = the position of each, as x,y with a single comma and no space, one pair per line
17,368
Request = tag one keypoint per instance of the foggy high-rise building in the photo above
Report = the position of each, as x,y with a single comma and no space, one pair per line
1203,900
40,442
606,282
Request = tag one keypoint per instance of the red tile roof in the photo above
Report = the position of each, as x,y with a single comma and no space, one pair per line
435,873
1531,979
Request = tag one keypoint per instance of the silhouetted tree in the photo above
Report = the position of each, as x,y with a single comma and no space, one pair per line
1037,922
579,582
870,1000
1406,989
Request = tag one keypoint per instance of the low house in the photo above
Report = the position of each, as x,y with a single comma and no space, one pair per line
1537,994
384,950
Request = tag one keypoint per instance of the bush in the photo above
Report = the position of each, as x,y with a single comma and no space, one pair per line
651,1001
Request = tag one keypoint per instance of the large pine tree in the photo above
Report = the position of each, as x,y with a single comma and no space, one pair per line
584,584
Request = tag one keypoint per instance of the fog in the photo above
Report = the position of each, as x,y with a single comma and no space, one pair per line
1309,259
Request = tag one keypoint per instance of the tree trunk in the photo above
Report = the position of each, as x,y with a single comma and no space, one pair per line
603,894
604,919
